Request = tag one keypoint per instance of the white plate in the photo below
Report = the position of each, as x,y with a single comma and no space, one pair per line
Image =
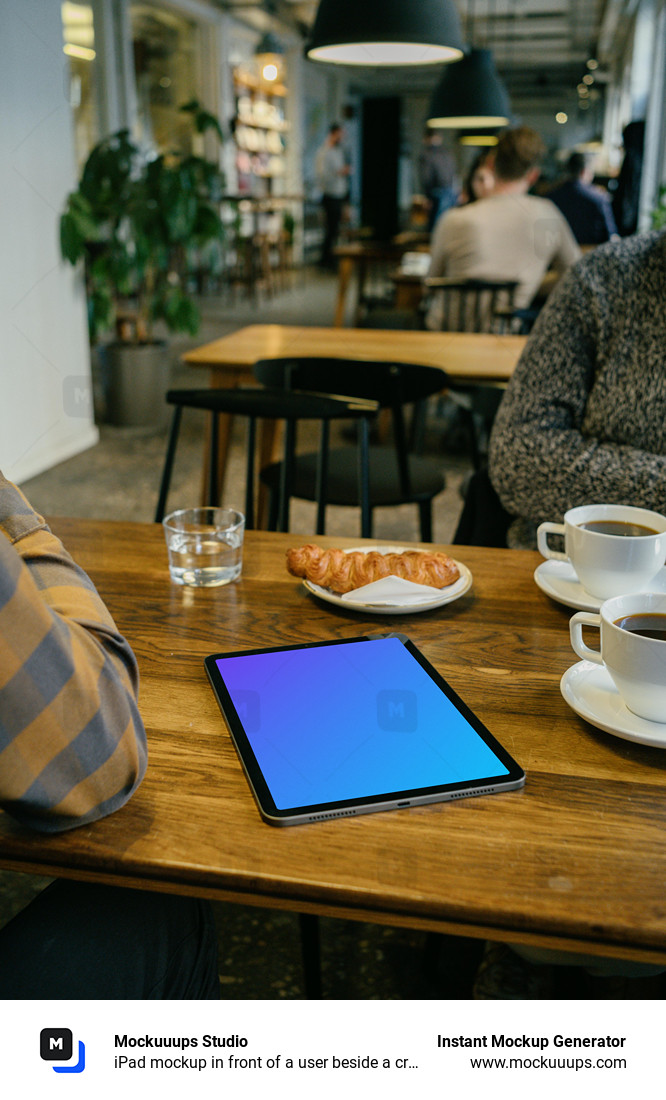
559,581
589,690
444,595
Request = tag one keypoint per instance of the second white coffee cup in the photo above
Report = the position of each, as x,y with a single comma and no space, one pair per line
606,564
633,649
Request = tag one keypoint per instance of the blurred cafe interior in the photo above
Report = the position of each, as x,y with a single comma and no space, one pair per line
257,97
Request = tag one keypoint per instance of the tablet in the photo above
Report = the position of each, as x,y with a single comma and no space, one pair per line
334,729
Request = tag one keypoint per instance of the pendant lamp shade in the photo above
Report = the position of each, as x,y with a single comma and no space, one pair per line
470,94
386,32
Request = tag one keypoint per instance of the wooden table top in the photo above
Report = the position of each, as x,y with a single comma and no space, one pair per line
379,250
465,356
576,860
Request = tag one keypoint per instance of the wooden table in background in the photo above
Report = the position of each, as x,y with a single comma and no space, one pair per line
576,860
464,356
356,259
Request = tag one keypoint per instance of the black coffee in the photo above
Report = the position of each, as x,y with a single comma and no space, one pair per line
649,624
617,527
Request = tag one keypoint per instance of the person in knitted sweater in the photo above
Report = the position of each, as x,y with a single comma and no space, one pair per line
583,419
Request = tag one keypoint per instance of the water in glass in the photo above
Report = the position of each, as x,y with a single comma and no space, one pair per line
205,558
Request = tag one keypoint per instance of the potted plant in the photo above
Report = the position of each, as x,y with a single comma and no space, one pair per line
140,224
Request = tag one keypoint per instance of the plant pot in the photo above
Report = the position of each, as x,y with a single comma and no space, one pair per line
135,379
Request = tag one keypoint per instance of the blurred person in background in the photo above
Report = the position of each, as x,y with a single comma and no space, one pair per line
332,172
437,176
587,209
509,235
480,179
627,193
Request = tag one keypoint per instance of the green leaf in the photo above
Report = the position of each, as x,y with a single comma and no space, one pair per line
71,244
208,225
101,312
179,312
203,120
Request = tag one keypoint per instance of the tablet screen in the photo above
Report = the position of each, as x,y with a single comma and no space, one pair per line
358,723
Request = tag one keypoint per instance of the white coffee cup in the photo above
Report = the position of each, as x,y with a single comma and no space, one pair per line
608,565
635,663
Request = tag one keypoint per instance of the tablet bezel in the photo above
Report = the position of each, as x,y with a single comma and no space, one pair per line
514,779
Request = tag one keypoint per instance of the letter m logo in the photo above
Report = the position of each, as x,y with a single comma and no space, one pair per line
55,1044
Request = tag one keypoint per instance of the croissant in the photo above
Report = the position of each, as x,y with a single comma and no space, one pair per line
342,572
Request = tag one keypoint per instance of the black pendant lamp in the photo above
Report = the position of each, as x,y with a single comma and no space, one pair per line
386,32
470,95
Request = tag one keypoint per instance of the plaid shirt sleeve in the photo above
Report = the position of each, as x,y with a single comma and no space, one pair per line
72,743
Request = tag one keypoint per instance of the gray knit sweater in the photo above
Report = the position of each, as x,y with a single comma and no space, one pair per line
583,419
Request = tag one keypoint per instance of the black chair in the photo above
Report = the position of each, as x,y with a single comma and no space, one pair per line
476,305
397,475
271,404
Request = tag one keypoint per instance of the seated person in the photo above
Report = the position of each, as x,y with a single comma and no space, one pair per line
587,209
508,235
480,179
72,750
582,419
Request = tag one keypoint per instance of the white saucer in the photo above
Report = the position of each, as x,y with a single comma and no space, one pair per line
589,690
559,581
443,595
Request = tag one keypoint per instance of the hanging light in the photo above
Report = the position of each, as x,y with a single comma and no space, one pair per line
470,94
386,32
478,138
269,53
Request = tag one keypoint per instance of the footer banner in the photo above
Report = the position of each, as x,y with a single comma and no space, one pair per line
294,1049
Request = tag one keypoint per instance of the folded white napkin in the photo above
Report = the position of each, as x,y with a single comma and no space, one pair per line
392,591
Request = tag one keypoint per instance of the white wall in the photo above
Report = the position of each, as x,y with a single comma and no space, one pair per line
45,388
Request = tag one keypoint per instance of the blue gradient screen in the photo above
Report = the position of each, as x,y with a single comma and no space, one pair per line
350,721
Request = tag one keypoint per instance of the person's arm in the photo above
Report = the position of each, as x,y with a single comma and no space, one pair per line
72,743
540,460
609,220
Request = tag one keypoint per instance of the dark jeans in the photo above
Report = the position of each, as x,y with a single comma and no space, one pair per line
82,941
483,521
333,214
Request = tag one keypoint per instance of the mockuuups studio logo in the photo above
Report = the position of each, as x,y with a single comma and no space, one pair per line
396,711
56,1045
77,397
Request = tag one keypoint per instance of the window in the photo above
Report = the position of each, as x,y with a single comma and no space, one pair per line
79,46
165,67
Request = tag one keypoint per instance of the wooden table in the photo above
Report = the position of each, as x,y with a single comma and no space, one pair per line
409,289
576,860
464,356
356,261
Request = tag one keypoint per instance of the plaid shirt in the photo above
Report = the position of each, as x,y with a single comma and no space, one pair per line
72,743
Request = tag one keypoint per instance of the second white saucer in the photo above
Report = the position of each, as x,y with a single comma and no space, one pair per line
559,581
589,690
